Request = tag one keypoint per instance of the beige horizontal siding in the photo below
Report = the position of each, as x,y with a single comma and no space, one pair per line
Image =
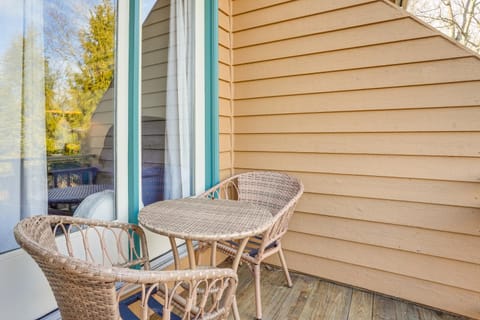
378,115
371,12
426,96
419,167
454,219
225,89
411,120
458,144
447,271
360,36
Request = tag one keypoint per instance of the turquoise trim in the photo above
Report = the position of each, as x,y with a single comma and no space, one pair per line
212,172
133,112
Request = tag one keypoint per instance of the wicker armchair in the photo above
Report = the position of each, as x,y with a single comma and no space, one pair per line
102,270
277,192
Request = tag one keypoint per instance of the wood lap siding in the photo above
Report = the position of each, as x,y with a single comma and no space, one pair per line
379,115
225,70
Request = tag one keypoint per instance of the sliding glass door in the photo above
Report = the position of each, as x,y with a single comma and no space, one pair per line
57,64
57,134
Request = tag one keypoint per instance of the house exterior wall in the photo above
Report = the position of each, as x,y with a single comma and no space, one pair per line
378,115
225,88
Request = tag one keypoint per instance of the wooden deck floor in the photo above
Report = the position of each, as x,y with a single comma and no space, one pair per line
316,299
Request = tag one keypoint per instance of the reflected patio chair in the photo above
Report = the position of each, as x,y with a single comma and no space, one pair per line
277,192
86,261
99,206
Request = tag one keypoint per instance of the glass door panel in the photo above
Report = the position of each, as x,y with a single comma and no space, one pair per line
57,64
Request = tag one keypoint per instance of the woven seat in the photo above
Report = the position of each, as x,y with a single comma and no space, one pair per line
93,265
276,192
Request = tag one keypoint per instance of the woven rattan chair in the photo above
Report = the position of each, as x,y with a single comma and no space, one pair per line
277,192
94,266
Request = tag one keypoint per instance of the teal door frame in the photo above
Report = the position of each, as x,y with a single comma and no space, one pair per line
212,172
134,111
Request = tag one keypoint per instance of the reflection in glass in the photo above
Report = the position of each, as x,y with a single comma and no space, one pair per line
56,108
167,101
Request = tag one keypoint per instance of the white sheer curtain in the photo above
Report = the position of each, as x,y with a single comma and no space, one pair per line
180,97
23,170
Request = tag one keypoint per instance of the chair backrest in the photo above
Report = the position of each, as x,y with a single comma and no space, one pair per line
82,286
272,190
99,205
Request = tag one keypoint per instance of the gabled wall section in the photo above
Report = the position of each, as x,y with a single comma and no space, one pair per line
379,115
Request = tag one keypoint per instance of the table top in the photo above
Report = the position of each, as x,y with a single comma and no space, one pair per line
205,219
75,194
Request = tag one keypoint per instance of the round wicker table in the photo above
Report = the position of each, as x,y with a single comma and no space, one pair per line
206,220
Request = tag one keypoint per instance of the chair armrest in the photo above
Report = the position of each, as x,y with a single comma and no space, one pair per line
198,292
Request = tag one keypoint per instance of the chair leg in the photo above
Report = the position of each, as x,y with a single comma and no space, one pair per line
285,268
258,298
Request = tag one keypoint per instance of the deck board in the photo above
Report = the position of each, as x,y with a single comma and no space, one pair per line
312,298
361,307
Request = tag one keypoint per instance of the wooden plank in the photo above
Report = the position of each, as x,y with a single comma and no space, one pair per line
154,57
427,293
288,11
224,20
435,168
444,119
224,89
334,20
155,29
304,287
458,70
224,55
240,7
425,191
433,144
426,96
224,142
155,43
223,37
159,12
432,268
361,306
224,6
224,108
224,72
416,240
421,215
154,99
370,34
225,173
330,301
427,49
154,71
224,125
154,85
388,309
225,160
157,112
